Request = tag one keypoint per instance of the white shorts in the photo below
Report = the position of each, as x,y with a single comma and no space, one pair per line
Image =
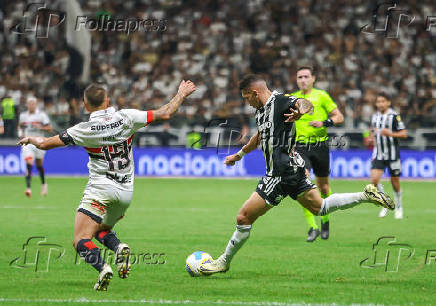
105,204
30,153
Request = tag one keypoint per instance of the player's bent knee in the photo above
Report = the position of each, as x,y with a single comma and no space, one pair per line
75,242
242,219
105,227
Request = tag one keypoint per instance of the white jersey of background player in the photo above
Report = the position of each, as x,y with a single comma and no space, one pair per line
33,122
107,137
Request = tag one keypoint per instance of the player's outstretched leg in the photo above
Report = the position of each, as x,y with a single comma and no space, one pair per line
312,200
313,230
384,211
395,180
325,220
253,208
109,239
40,167
84,230
376,175
28,191
324,187
377,197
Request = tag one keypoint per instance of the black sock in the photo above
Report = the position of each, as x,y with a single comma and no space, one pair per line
41,174
28,175
108,239
91,253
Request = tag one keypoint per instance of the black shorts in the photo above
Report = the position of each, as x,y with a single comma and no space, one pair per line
394,166
316,156
274,188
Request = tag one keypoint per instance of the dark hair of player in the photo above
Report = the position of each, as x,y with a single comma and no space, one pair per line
95,94
384,95
249,79
308,67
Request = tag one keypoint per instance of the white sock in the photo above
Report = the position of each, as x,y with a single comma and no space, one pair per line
341,201
398,199
380,187
238,239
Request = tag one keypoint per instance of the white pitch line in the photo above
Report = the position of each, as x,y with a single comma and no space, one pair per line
163,301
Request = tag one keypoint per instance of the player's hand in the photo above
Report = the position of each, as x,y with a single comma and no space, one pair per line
369,141
293,115
385,132
231,159
304,106
24,141
316,124
186,88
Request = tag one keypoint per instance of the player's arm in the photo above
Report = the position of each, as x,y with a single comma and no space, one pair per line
334,117
43,143
43,127
301,107
250,146
400,134
398,129
47,127
395,134
20,127
371,137
165,112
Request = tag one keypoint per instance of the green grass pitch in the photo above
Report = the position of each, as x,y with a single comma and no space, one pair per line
179,216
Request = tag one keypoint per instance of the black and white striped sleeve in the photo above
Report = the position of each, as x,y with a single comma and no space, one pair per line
398,124
287,102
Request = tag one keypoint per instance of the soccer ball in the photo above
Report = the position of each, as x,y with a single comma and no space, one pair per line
195,260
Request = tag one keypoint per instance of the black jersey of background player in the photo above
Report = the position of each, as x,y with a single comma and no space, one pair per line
386,147
277,137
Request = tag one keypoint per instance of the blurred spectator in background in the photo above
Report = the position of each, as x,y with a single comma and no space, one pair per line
215,42
9,112
165,136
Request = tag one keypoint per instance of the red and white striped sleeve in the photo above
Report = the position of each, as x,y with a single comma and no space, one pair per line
138,118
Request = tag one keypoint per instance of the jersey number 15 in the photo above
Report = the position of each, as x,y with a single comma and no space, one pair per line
117,155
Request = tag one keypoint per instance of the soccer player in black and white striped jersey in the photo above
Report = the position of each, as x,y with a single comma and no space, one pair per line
285,173
386,129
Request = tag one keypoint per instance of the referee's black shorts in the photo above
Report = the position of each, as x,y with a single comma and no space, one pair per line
316,156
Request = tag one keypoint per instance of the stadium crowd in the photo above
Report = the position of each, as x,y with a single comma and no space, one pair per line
214,42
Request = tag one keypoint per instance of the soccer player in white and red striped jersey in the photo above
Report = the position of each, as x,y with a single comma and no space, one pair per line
34,122
107,137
